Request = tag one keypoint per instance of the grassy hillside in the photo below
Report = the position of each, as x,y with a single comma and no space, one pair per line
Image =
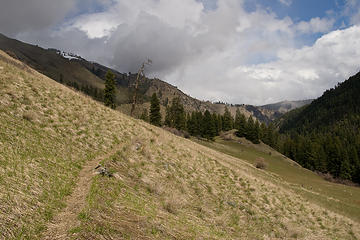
164,187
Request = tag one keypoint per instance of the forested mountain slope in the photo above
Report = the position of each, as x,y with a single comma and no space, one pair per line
325,135
341,103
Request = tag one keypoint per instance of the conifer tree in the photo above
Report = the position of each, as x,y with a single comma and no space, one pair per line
345,169
167,121
237,119
320,160
187,119
269,136
263,129
252,130
333,155
241,125
249,127
354,163
208,126
175,115
227,120
198,122
216,123
109,91
220,126
155,115
256,133
190,124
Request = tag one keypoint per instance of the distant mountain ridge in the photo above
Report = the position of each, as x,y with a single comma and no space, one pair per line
88,77
286,106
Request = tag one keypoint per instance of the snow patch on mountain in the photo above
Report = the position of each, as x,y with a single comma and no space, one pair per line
70,56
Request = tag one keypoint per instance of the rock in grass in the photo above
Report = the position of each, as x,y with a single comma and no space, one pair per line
103,171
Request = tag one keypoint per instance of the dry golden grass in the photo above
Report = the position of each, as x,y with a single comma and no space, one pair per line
166,187
47,133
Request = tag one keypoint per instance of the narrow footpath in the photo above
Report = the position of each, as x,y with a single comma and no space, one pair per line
67,219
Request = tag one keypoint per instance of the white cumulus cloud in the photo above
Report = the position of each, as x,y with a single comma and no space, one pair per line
286,2
316,25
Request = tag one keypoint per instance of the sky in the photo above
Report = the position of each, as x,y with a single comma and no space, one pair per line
235,51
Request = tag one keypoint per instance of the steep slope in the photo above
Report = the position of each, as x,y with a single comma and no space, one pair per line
335,105
165,186
88,77
49,62
327,131
47,133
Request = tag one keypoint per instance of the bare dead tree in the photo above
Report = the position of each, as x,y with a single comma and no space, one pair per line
140,74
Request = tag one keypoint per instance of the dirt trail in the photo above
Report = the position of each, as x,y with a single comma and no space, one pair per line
67,219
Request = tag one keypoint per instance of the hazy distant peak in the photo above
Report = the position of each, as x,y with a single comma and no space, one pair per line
286,105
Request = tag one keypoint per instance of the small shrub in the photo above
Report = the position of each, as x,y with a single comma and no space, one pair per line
170,206
177,132
260,163
226,136
328,177
29,116
186,134
294,235
154,188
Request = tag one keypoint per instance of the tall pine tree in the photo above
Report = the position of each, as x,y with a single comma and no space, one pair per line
155,115
109,91
227,120
237,119
208,126
175,115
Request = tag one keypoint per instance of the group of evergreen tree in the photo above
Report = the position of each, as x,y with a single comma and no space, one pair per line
94,92
208,125
254,130
197,123
332,152
204,125
335,151
175,115
107,95
325,135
